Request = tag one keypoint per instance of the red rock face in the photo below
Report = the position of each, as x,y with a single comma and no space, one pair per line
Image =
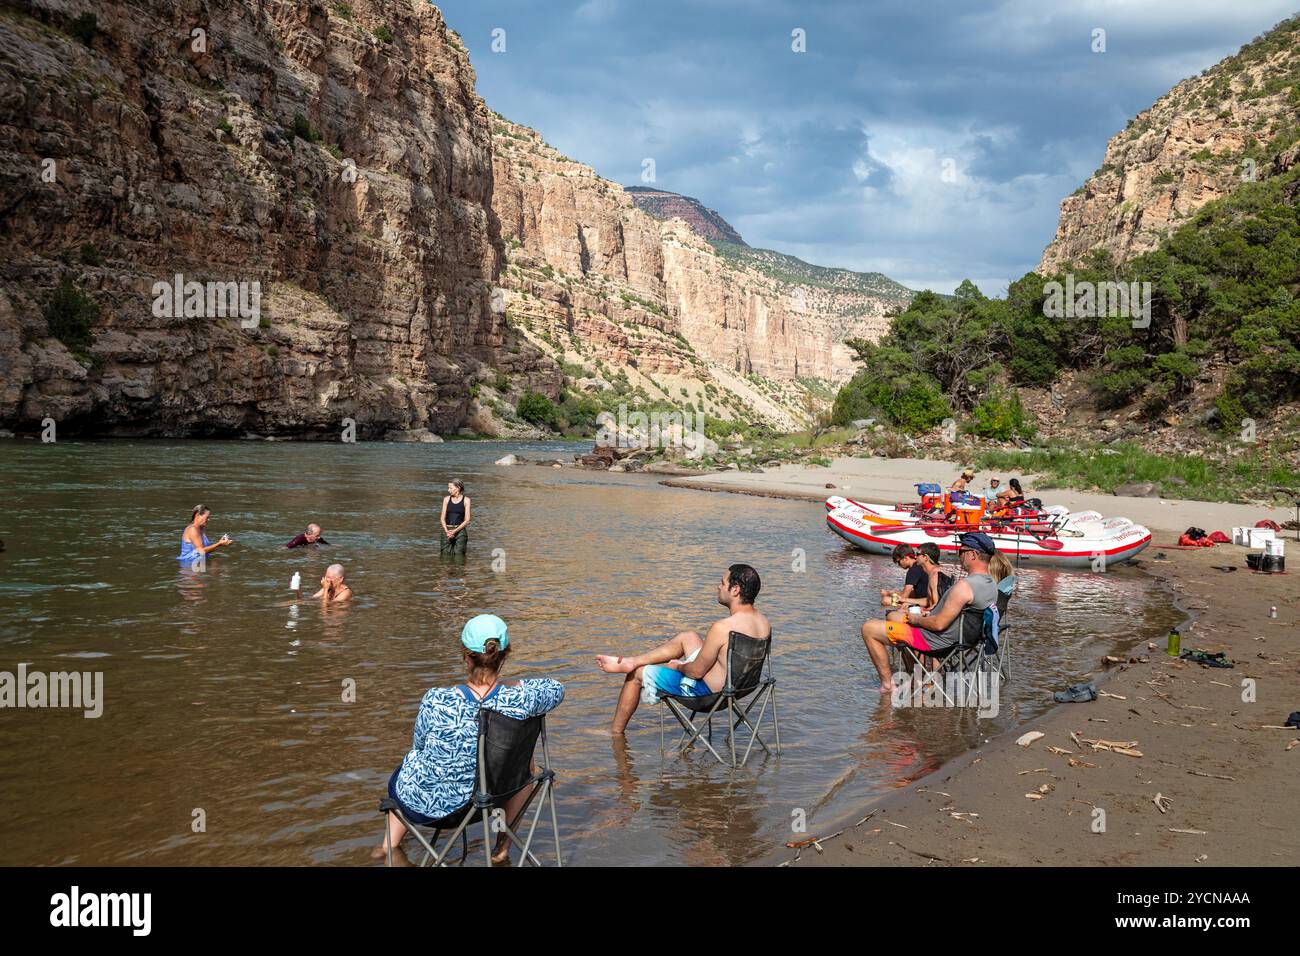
704,222
173,152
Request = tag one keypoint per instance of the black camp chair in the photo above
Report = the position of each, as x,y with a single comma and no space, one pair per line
976,651
747,658
506,748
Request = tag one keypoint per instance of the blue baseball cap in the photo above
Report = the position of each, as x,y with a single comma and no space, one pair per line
978,541
481,629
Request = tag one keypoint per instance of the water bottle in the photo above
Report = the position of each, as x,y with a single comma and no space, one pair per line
1175,647
296,583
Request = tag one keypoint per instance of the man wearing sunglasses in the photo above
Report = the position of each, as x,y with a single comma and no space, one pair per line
938,630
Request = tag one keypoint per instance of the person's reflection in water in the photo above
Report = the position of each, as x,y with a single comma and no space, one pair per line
625,778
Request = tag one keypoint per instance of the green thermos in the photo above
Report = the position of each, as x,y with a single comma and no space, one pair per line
1175,647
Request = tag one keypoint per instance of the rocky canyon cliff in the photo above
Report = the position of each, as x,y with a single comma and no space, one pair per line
604,285
1235,122
342,163
412,261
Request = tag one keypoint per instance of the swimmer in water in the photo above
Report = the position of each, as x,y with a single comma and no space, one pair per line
333,588
194,543
311,536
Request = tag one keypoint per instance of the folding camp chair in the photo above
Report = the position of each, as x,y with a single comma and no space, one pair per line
506,748
976,651
747,657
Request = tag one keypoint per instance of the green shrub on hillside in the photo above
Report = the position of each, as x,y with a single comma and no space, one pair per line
538,410
1000,416
70,316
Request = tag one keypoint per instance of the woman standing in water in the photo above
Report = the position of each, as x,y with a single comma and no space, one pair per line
194,543
455,518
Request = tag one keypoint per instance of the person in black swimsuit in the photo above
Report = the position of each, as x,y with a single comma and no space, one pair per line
455,519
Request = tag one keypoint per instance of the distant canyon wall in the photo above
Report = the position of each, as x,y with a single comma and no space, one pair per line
343,163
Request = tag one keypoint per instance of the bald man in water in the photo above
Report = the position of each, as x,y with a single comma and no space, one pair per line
333,588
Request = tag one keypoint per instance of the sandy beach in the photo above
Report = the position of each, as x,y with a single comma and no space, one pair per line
1214,781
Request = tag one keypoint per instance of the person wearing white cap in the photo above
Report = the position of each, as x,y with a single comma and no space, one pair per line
437,776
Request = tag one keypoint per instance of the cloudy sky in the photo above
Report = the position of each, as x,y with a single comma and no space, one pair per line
931,140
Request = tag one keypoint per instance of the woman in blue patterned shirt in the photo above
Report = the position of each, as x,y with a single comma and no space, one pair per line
437,777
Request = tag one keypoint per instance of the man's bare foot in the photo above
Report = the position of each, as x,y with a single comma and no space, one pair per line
614,665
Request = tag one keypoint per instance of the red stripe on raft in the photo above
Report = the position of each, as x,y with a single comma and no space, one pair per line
1022,549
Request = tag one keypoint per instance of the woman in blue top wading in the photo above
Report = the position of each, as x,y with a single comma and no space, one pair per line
437,776
194,543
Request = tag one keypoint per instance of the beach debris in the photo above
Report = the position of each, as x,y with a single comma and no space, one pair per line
1077,694
1034,796
1213,776
295,582
1162,802
1206,659
1076,762
814,842
1293,744
1294,719
1026,739
1126,747
959,815
899,825
1106,693
1045,788
1059,751
1036,770
1202,858
1192,832
971,859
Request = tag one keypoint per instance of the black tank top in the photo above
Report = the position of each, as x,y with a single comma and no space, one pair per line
455,512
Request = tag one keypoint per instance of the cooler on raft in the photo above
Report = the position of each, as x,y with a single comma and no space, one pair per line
931,495
968,510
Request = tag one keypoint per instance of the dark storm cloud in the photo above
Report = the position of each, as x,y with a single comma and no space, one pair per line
930,141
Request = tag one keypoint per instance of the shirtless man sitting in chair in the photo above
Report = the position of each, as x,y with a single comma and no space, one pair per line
690,665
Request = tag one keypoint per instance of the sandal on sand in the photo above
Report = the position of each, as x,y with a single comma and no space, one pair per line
1293,720
1206,659
1076,694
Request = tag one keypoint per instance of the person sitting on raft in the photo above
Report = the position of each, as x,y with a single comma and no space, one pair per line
1002,504
194,542
690,665
991,492
959,484
311,536
940,629
333,588
455,519
1017,494
438,776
